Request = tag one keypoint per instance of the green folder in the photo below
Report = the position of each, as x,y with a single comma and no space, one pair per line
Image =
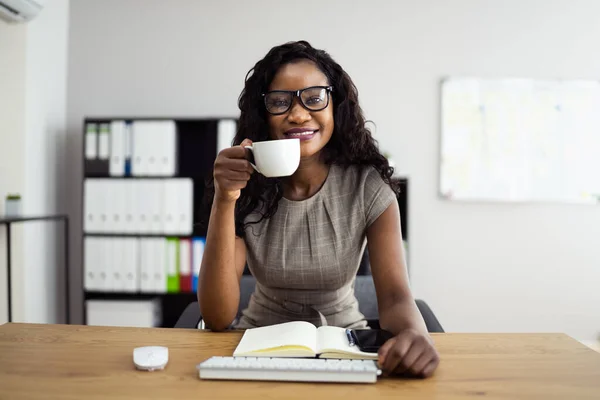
172,265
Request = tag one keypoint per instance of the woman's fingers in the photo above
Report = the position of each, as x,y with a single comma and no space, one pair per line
410,352
431,367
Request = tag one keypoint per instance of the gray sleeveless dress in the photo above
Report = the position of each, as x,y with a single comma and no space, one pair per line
305,257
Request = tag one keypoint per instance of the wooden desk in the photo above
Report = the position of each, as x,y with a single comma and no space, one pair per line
76,362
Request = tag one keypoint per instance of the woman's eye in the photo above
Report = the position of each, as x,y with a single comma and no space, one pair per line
314,100
278,102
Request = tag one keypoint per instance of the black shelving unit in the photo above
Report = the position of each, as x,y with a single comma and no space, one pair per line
196,152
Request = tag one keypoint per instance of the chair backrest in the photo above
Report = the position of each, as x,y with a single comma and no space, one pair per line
247,285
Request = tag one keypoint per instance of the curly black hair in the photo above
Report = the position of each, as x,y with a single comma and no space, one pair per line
351,142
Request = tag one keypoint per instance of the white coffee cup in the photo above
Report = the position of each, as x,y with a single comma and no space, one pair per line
276,157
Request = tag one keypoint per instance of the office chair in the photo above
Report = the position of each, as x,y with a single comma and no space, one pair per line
364,290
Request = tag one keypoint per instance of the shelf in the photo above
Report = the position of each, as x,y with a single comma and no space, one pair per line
131,118
139,177
10,220
133,295
140,235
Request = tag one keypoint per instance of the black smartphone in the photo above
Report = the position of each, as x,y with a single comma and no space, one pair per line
370,340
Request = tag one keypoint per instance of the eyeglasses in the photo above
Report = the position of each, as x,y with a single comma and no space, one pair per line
314,98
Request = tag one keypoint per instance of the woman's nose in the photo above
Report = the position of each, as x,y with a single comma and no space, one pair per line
298,114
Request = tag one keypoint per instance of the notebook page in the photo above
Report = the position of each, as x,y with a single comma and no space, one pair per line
332,339
296,333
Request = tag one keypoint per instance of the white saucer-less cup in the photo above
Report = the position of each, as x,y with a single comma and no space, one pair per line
275,158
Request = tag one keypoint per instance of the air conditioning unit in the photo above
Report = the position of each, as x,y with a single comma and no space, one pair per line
20,10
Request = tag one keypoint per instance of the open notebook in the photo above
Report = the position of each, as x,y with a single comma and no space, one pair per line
299,339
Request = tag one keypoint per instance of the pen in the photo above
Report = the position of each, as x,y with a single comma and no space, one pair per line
349,335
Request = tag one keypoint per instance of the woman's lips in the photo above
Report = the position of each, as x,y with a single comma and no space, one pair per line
301,133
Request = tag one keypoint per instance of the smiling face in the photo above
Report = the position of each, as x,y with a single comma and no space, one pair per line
313,128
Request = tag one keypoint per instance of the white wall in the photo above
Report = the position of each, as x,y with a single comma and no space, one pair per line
482,267
12,128
34,163
45,141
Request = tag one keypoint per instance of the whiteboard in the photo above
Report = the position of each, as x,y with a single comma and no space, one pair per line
520,140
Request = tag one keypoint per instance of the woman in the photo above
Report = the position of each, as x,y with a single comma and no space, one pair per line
303,236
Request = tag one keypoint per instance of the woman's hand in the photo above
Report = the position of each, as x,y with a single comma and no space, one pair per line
232,172
409,353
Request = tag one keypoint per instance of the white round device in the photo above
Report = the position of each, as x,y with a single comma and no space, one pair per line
150,358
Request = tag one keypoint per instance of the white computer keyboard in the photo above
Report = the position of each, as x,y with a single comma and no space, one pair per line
289,369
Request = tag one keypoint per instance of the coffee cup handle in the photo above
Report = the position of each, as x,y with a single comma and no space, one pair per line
252,150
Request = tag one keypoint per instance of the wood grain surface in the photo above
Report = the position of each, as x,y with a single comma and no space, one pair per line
40,361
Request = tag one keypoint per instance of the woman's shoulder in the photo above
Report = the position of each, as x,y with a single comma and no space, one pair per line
355,183
356,176
361,188
362,181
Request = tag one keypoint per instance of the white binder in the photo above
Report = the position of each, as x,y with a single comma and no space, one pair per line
178,206
91,252
116,203
130,264
160,265
152,147
155,204
104,263
96,205
139,206
170,206
185,206
225,133
104,142
168,150
130,206
146,266
91,141
91,219
103,203
139,153
143,204
117,148
114,265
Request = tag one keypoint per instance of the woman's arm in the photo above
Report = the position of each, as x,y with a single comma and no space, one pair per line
412,349
397,308
224,256
222,267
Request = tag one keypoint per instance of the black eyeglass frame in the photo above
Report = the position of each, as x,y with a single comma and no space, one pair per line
298,93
